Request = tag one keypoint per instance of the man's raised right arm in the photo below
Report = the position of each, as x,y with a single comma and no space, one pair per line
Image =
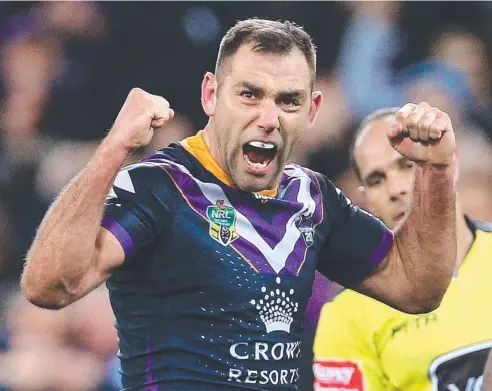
71,253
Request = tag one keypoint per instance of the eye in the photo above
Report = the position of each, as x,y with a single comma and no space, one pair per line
248,94
373,182
405,165
290,102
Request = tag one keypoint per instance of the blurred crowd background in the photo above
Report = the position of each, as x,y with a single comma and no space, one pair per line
66,68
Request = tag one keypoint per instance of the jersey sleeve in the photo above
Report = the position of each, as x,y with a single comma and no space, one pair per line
140,208
357,242
345,356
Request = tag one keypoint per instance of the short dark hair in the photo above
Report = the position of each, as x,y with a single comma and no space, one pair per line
374,116
267,36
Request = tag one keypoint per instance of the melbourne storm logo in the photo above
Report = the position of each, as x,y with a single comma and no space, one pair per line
222,223
304,224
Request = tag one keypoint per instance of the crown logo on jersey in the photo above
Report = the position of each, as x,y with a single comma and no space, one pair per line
222,223
276,308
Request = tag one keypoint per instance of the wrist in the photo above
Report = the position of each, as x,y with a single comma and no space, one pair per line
114,151
440,172
442,164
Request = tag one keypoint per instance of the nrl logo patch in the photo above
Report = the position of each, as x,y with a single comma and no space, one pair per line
222,223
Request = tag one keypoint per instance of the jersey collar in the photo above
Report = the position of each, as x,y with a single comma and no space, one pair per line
197,147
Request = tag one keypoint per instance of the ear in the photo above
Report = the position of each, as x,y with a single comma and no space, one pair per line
316,99
209,93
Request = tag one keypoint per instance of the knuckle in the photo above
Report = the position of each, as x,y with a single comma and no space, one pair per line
400,115
135,91
146,100
426,121
164,101
140,97
405,110
435,135
436,127
423,126
412,122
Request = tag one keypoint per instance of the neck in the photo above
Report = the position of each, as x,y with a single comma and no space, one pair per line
464,236
212,147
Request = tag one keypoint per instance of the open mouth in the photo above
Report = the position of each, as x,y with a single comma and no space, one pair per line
259,155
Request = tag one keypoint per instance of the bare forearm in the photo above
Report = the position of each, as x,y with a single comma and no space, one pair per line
426,242
63,249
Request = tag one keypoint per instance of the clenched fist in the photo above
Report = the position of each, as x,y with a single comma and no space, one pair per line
423,134
141,114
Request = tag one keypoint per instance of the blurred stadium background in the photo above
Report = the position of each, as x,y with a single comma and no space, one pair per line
66,68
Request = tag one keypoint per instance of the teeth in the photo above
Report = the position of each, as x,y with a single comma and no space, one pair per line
260,144
257,165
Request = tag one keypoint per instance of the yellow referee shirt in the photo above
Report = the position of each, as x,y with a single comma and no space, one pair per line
362,344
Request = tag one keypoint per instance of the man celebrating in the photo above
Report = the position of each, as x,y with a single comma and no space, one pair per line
210,246
382,348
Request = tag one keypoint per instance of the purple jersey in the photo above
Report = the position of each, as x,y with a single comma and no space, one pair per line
216,280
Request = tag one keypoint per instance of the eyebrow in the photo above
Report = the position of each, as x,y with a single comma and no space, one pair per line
249,86
294,93
299,94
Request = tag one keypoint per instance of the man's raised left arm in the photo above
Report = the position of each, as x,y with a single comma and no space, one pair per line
417,270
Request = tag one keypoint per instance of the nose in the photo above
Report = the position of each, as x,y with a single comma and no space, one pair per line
398,186
268,118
